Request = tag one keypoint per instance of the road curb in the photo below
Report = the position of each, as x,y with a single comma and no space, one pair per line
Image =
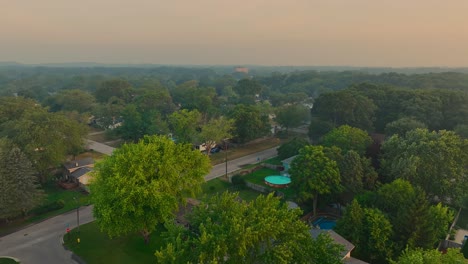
8,257
38,222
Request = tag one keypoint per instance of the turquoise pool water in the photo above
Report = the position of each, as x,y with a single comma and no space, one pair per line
278,180
325,223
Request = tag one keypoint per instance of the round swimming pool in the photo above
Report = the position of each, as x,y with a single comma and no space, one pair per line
277,181
325,223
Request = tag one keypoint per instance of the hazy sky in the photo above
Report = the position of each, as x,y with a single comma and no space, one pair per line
265,32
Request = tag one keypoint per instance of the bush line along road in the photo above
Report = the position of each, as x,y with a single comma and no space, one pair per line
42,242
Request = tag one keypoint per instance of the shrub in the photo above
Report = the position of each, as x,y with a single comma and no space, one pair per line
59,204
237,180
291,148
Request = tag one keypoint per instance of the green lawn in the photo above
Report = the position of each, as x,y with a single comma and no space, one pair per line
97,247
218,186
7,261
55,193
258,177
462,221
274,161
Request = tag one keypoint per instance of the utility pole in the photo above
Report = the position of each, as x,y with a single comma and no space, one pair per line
226,156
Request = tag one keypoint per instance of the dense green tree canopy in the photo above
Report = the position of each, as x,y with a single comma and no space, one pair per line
226,230
216,130
369,230
119,88
290,116
347,138
142,184
71,100
19,188
403,125
45,138
185,125
250,123
416,222
431,256
345,108
356,172
435,161
291,148
313,174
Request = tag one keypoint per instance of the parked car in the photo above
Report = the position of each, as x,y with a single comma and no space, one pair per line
215,150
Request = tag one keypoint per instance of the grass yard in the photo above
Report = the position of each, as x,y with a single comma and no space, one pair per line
274,161
55,193
97,247
7,261
218,186
462,221
258,177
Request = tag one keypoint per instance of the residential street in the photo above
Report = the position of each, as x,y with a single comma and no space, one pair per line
216,171
233,165
41,243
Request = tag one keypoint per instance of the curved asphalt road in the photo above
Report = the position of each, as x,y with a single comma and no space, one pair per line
42,242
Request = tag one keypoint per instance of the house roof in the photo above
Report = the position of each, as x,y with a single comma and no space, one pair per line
80,172
352,260
78,163
337,238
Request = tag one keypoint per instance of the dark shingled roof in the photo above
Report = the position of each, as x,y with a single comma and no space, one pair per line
337,238
80,172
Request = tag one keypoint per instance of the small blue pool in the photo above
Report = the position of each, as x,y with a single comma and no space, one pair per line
325,223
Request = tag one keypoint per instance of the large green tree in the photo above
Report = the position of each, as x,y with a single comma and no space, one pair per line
369,230
249,122
45,138
142,184
19,187
185,125
403,125
293,115
356,172
118,88
431,256
435,161
345,107
347,138
291,148
71,100
226,230
313,174
416,223
215,131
